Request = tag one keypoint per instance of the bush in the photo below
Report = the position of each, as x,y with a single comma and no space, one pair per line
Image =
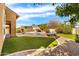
43,27
47,31
18,31
59,29
38,30
66,29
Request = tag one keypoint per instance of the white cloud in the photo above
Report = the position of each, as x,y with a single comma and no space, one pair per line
26,13
19,25
32,10
27,16
21,10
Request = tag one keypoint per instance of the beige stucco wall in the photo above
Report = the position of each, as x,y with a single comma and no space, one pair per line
11,17
9,14
13,25
6,15
2,18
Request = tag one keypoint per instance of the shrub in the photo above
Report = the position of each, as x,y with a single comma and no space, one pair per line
43,27
38,30
47,31
63,28
18,31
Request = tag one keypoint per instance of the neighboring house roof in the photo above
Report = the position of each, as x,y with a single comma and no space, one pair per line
35,27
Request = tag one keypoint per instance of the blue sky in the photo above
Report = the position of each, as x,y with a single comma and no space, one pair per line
35,14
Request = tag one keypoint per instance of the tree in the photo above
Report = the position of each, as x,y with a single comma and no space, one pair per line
69,9
43,27
64,28
53,24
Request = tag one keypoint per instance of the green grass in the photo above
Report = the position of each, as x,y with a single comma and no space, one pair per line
70,36
54,43
23,43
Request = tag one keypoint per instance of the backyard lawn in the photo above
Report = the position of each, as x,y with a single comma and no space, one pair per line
70,36
24,43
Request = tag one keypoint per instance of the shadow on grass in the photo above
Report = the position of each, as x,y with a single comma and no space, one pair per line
16,44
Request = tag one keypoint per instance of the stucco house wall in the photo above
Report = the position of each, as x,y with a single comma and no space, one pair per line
7,17
2,13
